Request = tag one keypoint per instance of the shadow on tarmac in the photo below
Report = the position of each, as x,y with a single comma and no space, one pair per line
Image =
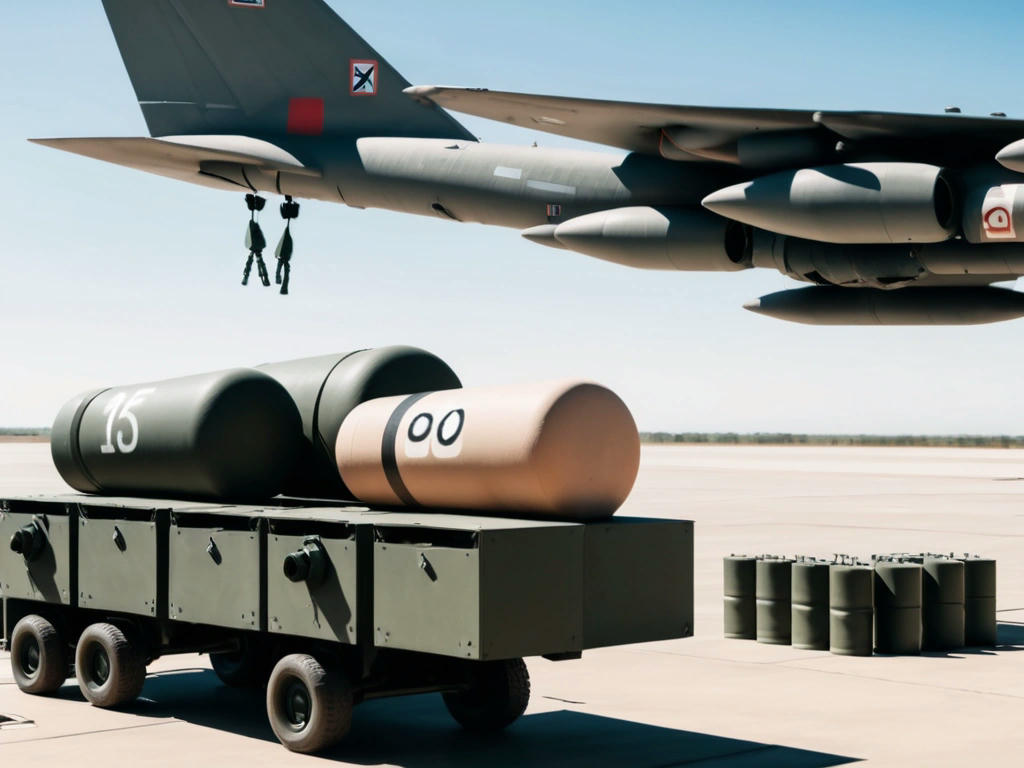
417,732
1009,639
1010,633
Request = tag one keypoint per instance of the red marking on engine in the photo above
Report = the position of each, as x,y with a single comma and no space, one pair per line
306,117
998,221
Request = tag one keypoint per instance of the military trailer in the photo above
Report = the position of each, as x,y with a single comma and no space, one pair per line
327,604
483,534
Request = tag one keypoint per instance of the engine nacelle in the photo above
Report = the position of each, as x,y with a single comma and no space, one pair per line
993,210
874,266
883,266
853,203
653,238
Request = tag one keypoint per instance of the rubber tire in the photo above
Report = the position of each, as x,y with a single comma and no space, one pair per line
249,667
499,694
127,666
330,699
53,656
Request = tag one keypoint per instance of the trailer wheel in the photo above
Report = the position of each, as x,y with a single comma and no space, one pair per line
497,696
309,707
38,656
247,667
109,667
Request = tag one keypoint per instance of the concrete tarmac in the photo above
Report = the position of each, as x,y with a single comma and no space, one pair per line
701,701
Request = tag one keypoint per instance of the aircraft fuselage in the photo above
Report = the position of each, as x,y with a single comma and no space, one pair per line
500,185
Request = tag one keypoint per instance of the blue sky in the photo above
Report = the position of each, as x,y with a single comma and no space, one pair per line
112,276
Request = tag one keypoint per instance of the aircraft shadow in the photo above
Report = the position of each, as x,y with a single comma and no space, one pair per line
417,732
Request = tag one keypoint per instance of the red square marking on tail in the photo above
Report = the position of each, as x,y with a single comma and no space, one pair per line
306,116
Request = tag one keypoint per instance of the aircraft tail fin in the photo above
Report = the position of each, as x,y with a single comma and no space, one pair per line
263,68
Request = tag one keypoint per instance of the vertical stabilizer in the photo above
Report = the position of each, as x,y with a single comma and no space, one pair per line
263,68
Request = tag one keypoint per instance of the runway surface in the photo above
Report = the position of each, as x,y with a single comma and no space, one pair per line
701,701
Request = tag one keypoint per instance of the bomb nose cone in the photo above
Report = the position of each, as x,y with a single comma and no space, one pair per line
1012,156
754,305
543,235
732,202
583,230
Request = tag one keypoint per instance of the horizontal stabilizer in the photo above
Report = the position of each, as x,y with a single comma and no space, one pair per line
223,162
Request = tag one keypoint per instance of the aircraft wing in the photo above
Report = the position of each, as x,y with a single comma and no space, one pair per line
711,133
634,126
217,161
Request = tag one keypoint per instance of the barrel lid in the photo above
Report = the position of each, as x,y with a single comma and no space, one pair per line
839,558
969,558
65,448
894,561
803,561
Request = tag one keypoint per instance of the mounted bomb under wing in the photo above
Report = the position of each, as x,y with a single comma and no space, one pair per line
652,238
914,306
700,187
851,203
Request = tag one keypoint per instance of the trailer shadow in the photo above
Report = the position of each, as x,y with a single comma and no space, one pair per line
417,732
1010,635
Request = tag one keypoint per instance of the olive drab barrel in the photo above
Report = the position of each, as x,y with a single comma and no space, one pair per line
326,388
851,609
810,605
774,600
942,610
979,601
224,435
565,449
897,606
739,577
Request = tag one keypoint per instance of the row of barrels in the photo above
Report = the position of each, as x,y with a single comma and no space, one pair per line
896,604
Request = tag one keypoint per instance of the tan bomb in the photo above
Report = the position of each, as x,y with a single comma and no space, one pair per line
564,449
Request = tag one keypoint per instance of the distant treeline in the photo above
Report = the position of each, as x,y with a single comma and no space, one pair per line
786,438
754,438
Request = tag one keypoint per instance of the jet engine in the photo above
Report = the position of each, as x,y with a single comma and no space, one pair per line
883,266
853,203
653,238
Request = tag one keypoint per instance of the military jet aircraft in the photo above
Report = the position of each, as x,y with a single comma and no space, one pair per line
891,218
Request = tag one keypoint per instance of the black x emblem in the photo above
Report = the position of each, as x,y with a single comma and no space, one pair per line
364,77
